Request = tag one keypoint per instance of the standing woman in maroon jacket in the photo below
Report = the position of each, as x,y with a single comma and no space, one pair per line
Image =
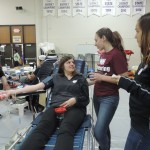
106,95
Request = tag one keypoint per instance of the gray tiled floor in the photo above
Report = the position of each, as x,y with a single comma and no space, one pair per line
11,122
119,125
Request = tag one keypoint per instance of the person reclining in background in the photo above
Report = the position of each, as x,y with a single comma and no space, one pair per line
31,79
69,90
48,66
5,85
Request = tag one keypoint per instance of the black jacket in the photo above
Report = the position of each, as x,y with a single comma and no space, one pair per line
1,72
139,98
64,89
46,69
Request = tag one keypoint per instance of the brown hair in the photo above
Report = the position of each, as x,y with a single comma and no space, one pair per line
114,38
118,42
144,24
61,64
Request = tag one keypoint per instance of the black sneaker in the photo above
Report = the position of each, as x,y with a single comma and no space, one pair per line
1,116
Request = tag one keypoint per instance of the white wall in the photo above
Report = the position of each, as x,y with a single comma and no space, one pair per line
9,14
68,32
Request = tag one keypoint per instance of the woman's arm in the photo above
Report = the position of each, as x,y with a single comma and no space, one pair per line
137,90
5,83
132,87
101,77
26,89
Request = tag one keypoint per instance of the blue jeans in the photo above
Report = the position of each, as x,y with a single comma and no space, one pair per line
137,141
105,107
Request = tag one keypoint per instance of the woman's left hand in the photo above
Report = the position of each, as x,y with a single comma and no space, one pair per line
96,76
68,103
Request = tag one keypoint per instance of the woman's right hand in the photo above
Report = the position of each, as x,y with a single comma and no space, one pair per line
5,94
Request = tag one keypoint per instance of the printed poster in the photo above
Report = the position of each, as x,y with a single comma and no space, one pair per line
94,7
123,7
64,7
79,7
48,7
108,7
138,7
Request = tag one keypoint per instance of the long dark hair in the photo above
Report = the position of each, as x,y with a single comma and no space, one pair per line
61,64
113,38
144,24
119,42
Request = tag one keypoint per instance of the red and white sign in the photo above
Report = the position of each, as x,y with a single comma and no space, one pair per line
16,30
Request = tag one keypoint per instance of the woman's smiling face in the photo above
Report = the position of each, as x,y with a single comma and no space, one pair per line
99,42
69,66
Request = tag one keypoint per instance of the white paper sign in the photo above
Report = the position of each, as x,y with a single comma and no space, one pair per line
78,7
93,7
16,39
108,7
123,7
138,7
48,7
64,7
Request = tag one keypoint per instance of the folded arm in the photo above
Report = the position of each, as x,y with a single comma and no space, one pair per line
132,87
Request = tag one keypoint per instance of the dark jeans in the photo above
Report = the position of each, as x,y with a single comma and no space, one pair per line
137,141
73,118
105,107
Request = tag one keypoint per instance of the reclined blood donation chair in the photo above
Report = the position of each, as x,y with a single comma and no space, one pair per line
83,138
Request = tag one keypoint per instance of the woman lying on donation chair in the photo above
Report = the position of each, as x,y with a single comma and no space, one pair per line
69,90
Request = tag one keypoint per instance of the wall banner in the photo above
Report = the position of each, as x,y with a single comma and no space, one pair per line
108,7
123,7
78,7
138,7
64,7
94,7
48,7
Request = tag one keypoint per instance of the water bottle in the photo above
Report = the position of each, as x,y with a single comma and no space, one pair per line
22,71
91,71
26,61
8,70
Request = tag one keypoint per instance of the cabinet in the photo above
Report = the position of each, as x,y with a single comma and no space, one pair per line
5,35
20,37
29,34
